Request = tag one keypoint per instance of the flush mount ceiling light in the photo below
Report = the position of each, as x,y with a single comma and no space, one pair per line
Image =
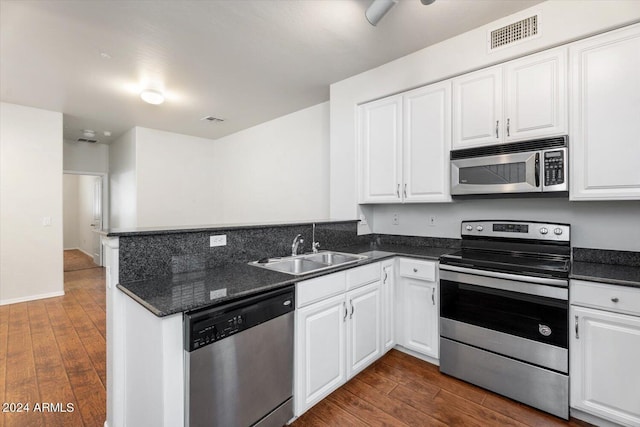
378,8
88,133
152,96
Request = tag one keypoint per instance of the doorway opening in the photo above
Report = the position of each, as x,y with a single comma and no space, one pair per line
82,218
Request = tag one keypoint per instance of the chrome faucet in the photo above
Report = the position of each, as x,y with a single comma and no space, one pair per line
296,242
315,245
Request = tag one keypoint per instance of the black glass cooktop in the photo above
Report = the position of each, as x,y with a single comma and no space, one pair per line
533,264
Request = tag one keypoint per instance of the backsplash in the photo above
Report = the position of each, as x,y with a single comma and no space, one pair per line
147,256
602,256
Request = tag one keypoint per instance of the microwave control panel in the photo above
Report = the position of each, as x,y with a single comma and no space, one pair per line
554,167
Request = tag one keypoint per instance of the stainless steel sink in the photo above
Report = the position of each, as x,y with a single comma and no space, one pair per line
310,263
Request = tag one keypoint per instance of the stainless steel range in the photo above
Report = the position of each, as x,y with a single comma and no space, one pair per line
504,304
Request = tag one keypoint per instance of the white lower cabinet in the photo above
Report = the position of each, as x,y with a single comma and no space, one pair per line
418,308
605,351
338,336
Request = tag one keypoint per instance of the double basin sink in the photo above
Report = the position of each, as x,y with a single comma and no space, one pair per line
309,263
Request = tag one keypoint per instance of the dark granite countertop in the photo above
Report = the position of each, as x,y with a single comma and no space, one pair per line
199,289
149,231
606,273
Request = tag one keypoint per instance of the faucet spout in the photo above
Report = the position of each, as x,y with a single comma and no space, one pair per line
296,242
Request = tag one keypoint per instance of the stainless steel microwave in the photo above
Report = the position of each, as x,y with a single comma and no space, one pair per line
537,166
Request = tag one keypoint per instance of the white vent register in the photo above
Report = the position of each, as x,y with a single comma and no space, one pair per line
514,33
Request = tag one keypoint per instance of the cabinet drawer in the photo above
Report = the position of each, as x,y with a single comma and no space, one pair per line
362,275
320,288
616,298
423,270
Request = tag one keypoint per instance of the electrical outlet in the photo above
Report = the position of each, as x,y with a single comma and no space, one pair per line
396,219
220,240
46,221
432,221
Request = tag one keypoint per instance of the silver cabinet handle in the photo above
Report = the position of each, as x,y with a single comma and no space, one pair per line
497,121
433,296
577,336
405,191
344,305
352,309
384,270
398,190
614,299
508,120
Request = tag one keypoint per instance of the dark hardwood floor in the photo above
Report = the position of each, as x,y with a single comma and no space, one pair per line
53,351
401,390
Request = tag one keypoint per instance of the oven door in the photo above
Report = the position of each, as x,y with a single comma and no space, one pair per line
505,173
507,315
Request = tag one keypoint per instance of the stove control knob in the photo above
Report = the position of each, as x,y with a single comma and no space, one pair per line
543,230
479,228
469,227
557,231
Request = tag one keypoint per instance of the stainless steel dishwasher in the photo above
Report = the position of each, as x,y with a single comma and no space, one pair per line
239,362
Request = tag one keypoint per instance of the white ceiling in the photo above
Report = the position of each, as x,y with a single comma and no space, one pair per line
247,61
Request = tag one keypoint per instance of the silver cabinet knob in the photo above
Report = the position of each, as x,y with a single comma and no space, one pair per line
415,270
614,299
469,228
479,228
557,231
543,230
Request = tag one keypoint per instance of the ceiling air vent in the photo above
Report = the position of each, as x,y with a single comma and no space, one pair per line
212,119
514,33
91,141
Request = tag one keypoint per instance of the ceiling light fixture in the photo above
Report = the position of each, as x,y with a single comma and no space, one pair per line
377,9
151,96
88,133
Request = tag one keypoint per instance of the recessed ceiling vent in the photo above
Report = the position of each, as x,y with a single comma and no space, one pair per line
514,33
212,119
90,141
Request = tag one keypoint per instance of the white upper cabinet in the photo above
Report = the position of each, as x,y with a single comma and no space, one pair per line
381,150
404,146
522,99
605,116
536,96
426,143
477,104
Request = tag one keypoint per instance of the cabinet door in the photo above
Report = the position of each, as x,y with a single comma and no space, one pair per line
605,372
364,327
388,306
381,150
426,143
320,351
605,112
536,96
477,108
420,306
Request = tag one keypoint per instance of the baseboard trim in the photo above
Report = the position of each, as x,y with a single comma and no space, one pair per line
31,298
592,419
417,355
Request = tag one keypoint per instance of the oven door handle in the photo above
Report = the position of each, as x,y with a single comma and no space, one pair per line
508,276
511,283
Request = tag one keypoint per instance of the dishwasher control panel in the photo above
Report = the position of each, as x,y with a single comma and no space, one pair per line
217,323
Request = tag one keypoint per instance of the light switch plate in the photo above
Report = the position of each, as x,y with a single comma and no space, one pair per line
219,240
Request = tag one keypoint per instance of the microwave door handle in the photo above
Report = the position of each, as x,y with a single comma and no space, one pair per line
537,168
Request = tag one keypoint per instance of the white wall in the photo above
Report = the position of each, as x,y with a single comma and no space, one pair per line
122,181
70,211
30,190
176,179
86,158
276,171
602,225
561,21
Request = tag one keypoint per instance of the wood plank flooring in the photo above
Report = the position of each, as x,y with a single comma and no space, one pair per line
401,390
53,352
